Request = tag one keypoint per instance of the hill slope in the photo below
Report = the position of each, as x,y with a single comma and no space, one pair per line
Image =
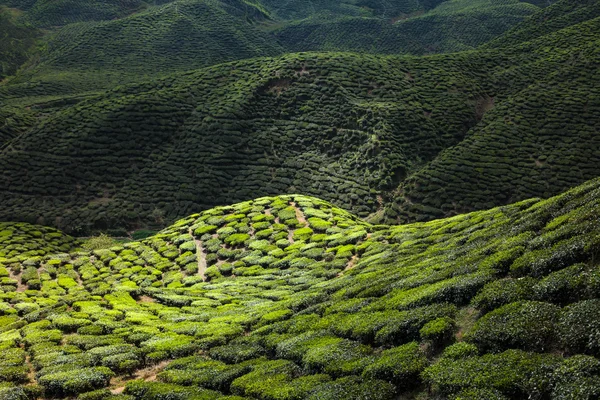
403,137
100,45
185,35
15,44
292,298
451,26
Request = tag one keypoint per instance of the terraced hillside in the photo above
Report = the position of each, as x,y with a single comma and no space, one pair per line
393,138
535,138
452,26
52,13
98,45
16,42
185,35
290,297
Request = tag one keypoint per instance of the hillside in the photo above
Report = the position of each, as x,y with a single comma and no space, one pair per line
390,138
292,298
16,42
452,26
185,35
92,46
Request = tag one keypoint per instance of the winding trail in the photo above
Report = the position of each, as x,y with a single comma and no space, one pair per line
201,256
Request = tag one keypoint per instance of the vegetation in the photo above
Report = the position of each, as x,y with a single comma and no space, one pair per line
123,116
211,307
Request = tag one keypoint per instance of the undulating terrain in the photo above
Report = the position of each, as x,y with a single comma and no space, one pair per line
289,297
140,116
304,200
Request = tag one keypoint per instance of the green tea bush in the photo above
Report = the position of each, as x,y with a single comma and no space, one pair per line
503,291
353,387
514,373
525,325
236,353
577,377
401,365
438,331
141,390
69,383
564,286
578,330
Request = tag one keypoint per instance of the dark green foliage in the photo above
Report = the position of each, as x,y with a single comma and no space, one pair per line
514,373
454,26
166,391
354,388
16,44
578,328
438,331
401,365
504,291
369,125
577,377
526,325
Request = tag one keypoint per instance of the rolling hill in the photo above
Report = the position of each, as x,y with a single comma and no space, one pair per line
392,138
289,297
16,43
456,25
98,45
338,200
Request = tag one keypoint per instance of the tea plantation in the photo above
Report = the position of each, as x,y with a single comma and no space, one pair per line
391,138
289,297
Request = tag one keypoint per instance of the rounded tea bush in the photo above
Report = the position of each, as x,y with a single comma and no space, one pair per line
527,325
579,327
74,382
400,365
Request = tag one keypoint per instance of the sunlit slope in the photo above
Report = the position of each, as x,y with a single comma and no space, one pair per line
291,298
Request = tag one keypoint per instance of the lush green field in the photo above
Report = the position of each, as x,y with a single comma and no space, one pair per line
444,128
290,297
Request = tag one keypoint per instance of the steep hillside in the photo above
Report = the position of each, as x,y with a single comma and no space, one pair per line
16,42
98,45
52,13
536,139
452,26
405,138
185,35
291,298
560,15
344,127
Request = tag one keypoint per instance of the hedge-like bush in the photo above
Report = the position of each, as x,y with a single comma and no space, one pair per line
525,325
74,382
400,365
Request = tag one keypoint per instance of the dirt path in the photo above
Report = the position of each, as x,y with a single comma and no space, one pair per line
299,214
20,286
201,259
201,255
351,263
147,374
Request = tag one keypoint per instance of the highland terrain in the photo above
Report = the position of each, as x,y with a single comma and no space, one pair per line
321,200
